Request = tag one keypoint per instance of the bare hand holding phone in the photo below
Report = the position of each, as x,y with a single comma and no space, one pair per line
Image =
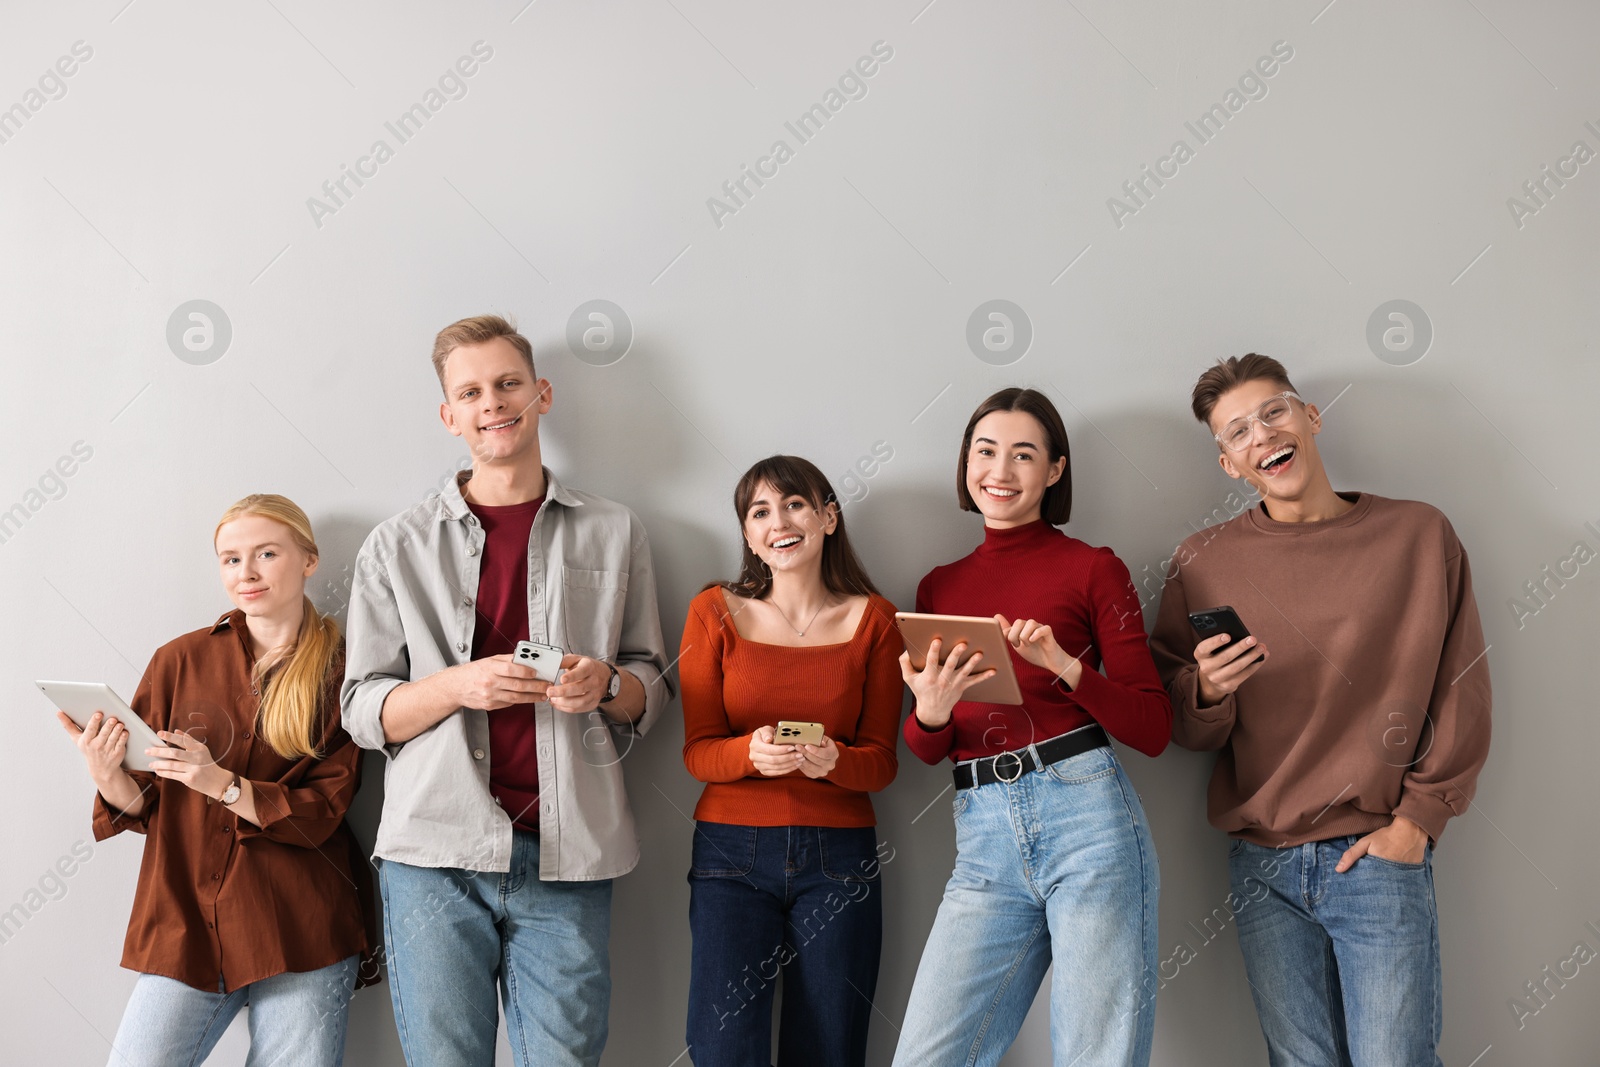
496,682
1227,655
772,759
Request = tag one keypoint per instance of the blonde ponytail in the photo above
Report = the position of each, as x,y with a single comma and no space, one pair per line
292,698
291,679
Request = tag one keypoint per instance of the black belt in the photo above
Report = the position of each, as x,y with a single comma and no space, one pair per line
1009,766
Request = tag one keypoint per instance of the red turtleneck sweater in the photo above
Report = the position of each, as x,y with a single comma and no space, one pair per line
1084,594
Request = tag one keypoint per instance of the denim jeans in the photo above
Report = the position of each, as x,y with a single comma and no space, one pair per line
296,1020
1058,865
800,901
1344,968
453,936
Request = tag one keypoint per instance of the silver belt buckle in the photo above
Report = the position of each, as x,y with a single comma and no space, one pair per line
1017,774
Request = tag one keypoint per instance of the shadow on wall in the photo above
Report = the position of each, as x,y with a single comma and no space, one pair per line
1143,480
1369,444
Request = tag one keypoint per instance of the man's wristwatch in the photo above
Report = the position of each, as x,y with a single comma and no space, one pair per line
613,687
230,795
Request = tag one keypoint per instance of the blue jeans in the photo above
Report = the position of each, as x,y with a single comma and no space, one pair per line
1056,865
296,1020
801,901
456,938
1344,968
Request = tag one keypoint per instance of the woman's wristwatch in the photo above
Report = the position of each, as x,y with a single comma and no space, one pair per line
230,795
613,687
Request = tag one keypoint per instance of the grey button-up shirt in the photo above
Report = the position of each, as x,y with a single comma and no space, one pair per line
591,591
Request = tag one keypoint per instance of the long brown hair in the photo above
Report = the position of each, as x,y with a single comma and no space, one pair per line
842,572
291,678
1056,507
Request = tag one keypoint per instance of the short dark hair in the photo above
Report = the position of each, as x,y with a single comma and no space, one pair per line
1231,373
1056,508
842,571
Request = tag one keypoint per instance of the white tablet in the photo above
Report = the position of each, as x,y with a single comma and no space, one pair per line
80,700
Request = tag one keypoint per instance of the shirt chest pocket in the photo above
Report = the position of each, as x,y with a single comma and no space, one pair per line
592,605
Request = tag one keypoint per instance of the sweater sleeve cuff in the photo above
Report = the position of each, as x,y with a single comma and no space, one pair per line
1089,685
929,745
1222,711
1427,811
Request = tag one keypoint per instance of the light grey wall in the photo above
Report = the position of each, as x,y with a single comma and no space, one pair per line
828,313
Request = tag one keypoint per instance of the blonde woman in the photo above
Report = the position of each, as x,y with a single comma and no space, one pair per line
252,891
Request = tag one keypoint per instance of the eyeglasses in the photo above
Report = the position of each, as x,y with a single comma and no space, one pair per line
1274,412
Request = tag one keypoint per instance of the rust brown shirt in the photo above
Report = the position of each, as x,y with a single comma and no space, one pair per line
218,897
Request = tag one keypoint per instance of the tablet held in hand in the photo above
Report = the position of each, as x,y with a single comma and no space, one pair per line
980,635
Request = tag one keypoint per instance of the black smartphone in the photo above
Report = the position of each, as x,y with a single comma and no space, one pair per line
1223,620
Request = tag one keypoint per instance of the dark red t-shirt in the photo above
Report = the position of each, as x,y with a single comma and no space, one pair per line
502,621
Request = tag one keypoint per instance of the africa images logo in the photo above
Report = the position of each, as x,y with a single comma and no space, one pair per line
852,85
451,85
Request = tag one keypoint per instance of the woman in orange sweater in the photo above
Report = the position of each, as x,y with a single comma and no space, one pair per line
785,872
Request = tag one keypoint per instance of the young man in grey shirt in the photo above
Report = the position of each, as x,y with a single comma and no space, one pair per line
505,815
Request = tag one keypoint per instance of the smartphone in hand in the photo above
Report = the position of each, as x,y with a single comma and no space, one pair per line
1222,620
797,733
544,659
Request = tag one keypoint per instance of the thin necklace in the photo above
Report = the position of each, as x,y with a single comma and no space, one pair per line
814,614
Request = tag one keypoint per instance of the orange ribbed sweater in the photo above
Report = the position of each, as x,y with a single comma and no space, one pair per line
731,686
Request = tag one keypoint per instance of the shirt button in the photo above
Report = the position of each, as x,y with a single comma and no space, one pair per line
472,550
477,753
466,601
216,877
227,829
247,736
461,646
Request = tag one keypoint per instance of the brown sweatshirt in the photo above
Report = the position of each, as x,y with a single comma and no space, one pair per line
1374,701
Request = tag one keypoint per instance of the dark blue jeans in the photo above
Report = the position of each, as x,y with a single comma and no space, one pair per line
800,901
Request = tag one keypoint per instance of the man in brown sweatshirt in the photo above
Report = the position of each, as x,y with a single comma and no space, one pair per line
1349,727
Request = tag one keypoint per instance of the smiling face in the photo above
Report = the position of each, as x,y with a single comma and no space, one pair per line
1009,468
264,570
1281,461
493,401
787,532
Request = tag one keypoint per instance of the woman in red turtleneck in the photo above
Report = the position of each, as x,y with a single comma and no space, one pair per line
1054,860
